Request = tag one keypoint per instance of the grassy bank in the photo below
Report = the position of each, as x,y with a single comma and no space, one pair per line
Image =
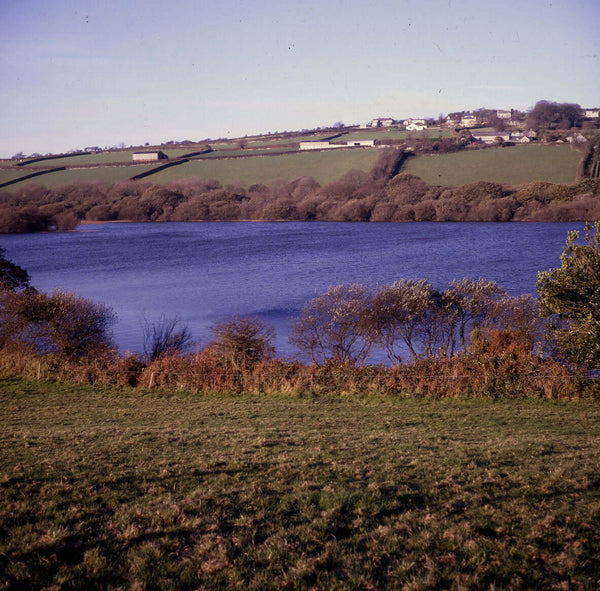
515,164
106,488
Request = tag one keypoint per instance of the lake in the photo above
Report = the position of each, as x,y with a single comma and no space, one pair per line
204,271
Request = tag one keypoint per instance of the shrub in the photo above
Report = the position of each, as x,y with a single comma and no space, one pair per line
12,277
61,323
242,341
570,299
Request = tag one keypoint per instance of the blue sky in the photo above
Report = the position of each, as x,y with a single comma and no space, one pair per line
75,73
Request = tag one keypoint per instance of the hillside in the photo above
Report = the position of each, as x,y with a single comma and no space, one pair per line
262,159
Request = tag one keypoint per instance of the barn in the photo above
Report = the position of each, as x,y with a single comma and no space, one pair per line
149,156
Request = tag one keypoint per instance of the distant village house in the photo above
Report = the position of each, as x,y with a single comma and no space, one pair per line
149,156
414,126
382,122
469,120
592,113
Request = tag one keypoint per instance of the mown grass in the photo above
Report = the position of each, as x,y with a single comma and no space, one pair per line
103,488
515,165
323,166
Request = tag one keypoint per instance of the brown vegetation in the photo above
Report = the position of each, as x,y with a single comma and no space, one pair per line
379,196
472,340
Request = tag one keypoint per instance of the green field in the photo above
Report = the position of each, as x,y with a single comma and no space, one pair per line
515,164
323,166
108,489
395,134
11,174
277,141
108,174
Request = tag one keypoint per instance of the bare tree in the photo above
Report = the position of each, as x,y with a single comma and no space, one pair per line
399,314
164,337
474,299
335,326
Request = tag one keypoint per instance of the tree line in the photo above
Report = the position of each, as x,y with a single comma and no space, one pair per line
470,338
380,195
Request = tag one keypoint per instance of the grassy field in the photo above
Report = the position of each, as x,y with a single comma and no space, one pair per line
11,174
108,174
105,489
322,166
116,156
516,164
396,134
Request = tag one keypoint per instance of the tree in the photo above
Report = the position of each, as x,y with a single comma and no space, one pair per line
243,341
61,322
12,277
553,115
399,314
165,337
570,299
474,298
335,326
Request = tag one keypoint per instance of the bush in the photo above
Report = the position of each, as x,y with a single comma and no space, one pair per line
242,341
61,323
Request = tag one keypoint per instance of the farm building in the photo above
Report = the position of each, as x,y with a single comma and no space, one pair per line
329,145
149,156
319,145
489,137
414,126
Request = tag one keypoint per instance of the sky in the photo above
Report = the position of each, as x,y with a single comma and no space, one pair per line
79,73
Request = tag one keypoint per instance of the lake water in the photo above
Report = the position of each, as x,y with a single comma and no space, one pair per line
203,272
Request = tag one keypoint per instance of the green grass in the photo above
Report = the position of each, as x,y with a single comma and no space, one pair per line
11,174
105,489
396,134
322,166
277,141
108,174
515,164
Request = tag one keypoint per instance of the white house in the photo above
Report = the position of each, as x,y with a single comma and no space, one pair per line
519,138
592,113
414,126
502,114
149,156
